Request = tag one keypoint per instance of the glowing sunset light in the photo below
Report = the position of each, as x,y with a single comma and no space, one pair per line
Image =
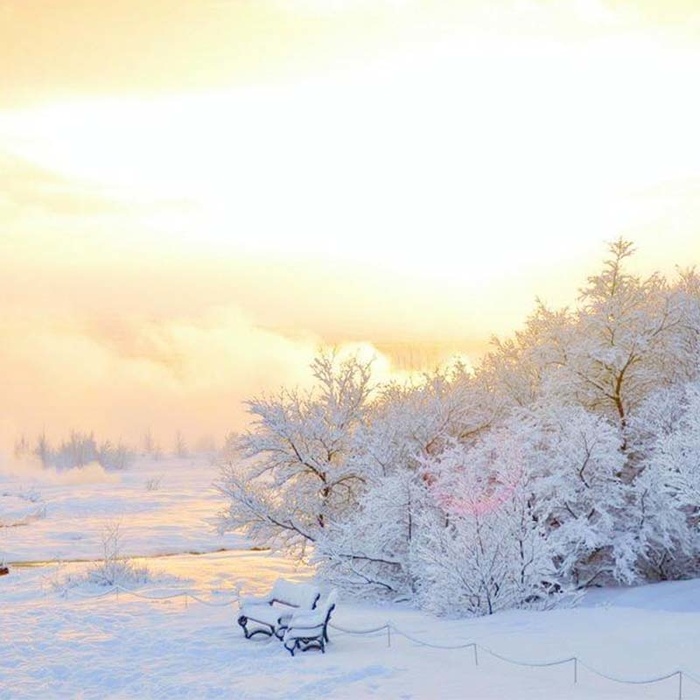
260,178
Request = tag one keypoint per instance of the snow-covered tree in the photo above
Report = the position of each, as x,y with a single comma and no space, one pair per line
631,339
530,508
668,490
289,475
483,550
408,423
370,550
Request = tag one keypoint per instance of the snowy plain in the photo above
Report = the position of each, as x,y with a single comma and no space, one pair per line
174,635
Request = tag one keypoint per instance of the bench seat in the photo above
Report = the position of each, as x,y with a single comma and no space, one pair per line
267,619
269,614
309,629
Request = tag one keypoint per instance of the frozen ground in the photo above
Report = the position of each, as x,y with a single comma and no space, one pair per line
175,636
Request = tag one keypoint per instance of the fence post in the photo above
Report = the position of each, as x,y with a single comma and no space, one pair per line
388,634
680,685
575,670
476,656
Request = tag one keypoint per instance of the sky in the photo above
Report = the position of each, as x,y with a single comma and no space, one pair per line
194,197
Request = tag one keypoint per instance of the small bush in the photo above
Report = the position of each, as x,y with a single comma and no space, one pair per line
153,484
114,569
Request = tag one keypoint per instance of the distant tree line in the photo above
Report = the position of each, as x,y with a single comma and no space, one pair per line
82,448
568,457
78,450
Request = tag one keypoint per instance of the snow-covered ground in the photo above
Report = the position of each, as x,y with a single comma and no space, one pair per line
175,635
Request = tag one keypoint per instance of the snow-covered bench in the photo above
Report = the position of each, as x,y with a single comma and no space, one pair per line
309,630
269,614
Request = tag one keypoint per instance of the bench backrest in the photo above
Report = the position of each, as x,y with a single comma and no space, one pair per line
298,595
326,608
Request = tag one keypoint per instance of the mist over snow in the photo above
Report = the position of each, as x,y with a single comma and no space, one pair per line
31,470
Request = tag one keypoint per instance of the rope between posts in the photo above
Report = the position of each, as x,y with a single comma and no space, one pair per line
693,678
223,604
642,681
117,588
89,596
415,640
531,664
372,630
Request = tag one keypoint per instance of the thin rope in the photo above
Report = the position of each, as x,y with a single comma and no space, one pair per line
430,644
693,678
117,588
642,681
372,630
532,664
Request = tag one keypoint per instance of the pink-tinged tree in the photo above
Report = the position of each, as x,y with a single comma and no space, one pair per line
530,509
289,475
481,550
371,549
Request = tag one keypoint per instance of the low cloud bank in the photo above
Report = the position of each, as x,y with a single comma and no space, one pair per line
124,377
175,380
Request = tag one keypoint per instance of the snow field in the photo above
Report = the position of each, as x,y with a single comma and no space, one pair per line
63,637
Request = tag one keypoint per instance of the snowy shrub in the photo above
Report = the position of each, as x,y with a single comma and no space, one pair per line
115,569
115,456
153,484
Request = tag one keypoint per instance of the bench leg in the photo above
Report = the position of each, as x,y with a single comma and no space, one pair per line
306,643
243,622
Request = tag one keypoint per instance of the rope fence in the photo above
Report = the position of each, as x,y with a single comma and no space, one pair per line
389,627
116,589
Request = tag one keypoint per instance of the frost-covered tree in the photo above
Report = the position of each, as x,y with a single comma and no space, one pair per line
290,474
372,546
371,549
628,337
481,552
632,338
668,490
530,508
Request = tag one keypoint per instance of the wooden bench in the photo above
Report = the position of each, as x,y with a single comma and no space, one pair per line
269,614
309,629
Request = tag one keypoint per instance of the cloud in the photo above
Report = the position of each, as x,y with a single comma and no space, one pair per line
135,375
122,375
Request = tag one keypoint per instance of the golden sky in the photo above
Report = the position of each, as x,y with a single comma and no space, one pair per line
194,195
